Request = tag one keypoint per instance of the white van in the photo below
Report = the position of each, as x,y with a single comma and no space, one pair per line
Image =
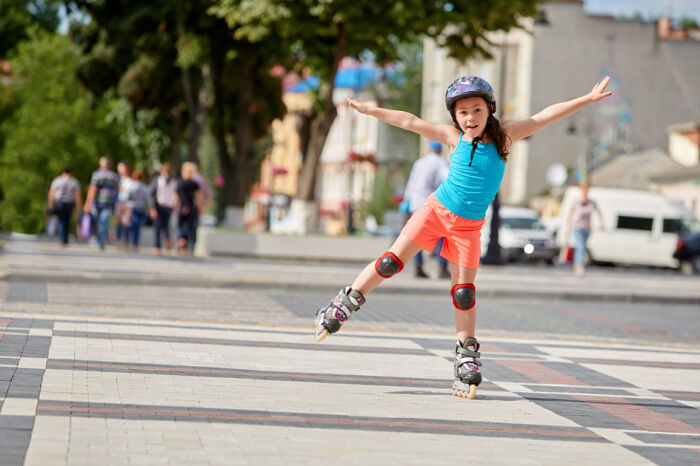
521,235
641,227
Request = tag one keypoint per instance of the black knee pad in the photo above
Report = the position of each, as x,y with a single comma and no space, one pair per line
464,296
388,265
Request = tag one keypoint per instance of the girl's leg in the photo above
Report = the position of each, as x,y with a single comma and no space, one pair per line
369,279
465,321
330,318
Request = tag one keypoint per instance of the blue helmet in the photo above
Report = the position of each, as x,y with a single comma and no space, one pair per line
469,86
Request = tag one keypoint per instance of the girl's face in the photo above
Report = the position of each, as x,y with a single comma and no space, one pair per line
471,114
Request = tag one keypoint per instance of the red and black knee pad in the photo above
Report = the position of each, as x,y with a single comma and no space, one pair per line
388,265
464,296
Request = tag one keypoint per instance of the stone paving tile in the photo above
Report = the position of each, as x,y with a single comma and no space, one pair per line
117,392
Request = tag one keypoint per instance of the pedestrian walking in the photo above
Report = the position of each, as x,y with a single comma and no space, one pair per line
426,175
163,189
479,144
123,211
579,224
64,199
205,190
139,202
101,198
188,203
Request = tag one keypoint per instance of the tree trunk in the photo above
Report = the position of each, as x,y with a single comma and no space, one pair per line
225,162
175,137
493,251
320,127
244,138
198,113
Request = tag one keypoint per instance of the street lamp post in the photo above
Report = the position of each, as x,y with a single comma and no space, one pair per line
493,251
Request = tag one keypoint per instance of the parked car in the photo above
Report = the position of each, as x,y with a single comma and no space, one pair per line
688,253
641,227
521,236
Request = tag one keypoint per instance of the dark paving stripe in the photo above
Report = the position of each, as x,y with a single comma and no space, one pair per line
623,362
667,456
23,322
16,422
495,371
26,383
646,414
540,372
689,396
13,445
27,292
160,369
591,390
669,439
676,410
583,414
227,342
590,376
4,323
311,420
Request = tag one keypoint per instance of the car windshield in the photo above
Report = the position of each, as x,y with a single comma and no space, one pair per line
521,223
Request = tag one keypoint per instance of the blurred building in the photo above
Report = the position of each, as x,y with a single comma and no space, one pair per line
356,147
654,73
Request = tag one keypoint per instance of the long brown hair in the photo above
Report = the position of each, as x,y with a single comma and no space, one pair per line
495,132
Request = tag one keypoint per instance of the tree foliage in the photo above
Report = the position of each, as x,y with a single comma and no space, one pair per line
16,16
185,65
49,126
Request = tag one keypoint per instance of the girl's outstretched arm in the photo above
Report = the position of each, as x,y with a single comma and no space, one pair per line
524,128
444,134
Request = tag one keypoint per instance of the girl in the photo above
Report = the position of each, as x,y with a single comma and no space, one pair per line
479,145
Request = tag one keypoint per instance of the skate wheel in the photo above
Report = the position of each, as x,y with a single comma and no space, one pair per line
472,392
322,335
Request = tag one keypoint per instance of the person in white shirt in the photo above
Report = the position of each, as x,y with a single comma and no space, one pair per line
64,199
426,175
580,225
163,188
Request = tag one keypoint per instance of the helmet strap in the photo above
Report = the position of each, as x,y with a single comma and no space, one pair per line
477,140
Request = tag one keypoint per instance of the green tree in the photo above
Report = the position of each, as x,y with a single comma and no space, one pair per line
687,22
175,59
16,16
50,126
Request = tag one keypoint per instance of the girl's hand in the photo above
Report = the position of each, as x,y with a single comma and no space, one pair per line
359,106
598,92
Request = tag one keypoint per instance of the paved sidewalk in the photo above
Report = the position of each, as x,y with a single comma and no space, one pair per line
133,359
32,260
96,391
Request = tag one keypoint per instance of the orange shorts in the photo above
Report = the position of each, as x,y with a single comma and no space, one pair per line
433,221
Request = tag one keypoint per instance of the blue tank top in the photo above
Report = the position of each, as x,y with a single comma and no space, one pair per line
468,191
